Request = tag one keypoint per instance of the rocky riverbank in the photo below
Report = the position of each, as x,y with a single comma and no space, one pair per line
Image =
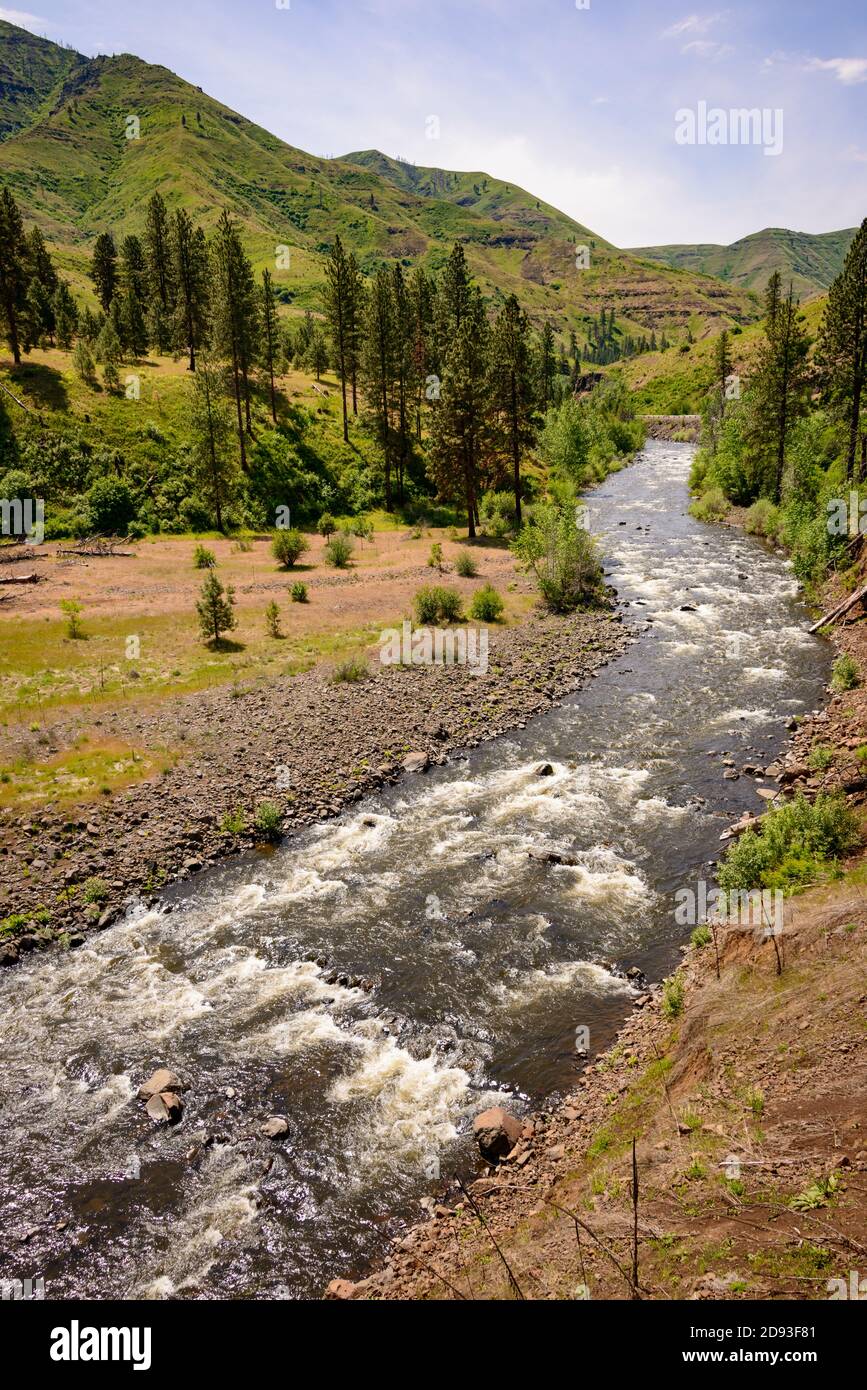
304,745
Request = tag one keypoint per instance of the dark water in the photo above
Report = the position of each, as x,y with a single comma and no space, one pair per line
484,960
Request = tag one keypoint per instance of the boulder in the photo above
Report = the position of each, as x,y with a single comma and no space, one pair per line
543,770
496,1132
275,1127
416,762
165,1108
162,1080
340,1288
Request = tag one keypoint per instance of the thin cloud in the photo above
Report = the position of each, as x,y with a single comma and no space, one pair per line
708,48
693,24
846,70
22,18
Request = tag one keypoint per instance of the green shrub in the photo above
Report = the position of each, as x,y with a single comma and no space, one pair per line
672,997
94,890
326,525
338,551
203,559
821,757
701,936
72,610
435,558
795,843
763,519
465,565
846,674
351,672
487,605
298,593
287,547
233,822
272,620
437,604
449,601
564,558
110,507
267,822
426,606
711,506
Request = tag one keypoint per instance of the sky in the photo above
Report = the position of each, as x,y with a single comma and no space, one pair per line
596,106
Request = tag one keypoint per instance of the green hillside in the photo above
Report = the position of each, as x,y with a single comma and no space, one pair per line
74,171
31,70
810,261
677,381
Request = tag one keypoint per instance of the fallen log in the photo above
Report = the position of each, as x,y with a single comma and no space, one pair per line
841,608
21,578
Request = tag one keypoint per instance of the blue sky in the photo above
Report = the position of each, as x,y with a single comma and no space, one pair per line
576,104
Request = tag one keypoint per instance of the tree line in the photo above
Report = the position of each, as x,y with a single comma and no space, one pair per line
453,390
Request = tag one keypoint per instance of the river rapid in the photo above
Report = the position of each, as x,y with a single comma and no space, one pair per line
480,960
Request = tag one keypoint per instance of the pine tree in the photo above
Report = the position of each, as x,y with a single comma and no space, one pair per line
189,277
317,353
547,367
781,380
13,272
722,370
160,274
216,609
103,269
338,292
235,321
65,315
458,436
271,338
842,346
378,369
109,351
512,393
211,429
354,326
134,295
421,293
402,330
41,289
452,302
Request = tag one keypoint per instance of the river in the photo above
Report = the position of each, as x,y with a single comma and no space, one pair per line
483,960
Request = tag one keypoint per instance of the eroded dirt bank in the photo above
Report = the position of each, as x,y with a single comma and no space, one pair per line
750,1115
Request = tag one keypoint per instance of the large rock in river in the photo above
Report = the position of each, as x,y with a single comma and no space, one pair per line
496,1132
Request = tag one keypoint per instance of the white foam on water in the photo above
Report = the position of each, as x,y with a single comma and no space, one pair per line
765,673
533,987
411,1105
222,1207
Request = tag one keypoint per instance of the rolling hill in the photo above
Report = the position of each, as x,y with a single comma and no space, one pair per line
810,261
66,154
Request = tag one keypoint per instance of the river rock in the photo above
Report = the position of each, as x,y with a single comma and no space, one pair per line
165,1108
340,1288
275,1127
416,762
543,770
496,1132
162,1080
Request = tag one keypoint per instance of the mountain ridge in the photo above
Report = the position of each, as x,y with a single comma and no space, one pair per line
811,260
73,170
